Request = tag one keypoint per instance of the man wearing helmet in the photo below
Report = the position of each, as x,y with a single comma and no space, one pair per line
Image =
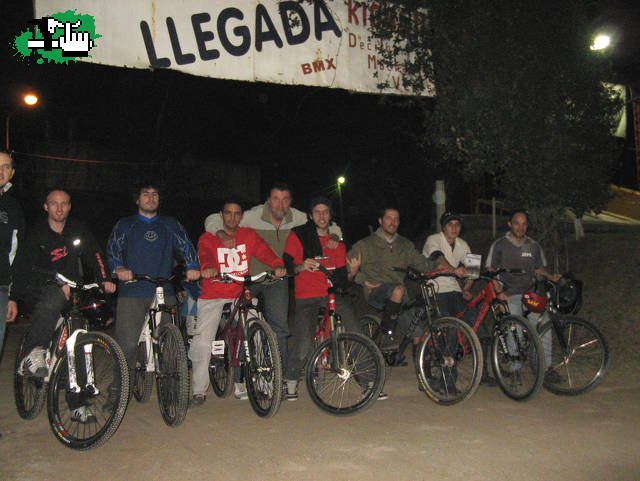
450,296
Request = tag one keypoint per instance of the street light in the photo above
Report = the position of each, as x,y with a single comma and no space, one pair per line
30,100
601,42
341,180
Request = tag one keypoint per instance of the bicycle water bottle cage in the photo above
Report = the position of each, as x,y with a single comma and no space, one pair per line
534,302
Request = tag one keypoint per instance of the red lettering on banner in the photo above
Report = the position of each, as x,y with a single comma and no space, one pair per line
318,66
306,68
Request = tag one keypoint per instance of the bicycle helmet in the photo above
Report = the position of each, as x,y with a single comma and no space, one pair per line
534,302
567,296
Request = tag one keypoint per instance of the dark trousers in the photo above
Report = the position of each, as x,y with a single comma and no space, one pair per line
44,317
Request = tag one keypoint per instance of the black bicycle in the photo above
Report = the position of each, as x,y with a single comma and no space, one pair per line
87,381
575,349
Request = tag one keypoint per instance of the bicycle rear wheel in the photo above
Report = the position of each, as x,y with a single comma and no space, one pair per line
263,369
221,372
143,380
449,361
579,361
370,325
173,376
28,391
517,357
89,418
346,375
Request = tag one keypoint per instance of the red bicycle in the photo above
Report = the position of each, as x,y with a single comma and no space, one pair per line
345,371
516,354
245,340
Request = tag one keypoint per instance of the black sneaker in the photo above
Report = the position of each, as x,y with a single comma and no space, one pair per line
553,377
291,394
382,396
488,381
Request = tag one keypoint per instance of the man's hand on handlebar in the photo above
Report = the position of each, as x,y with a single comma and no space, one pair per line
279,271
109,287
209,272
124,274
193,274
460,272
66,290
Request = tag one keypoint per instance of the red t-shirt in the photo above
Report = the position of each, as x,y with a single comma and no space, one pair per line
314,284
235,261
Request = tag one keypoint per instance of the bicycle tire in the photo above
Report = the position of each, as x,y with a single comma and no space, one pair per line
263,368
356,384
370,325
449,374
172,378
29,392
108,406
143,379
520,374
584,363
221,372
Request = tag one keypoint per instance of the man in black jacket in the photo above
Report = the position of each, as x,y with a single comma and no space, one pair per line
11,232
60,244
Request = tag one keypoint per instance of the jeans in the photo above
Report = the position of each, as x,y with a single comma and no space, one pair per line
306,325
4,301
44,317
209,312
536,319
130,317
275,302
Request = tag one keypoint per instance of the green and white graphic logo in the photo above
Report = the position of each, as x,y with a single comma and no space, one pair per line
59,38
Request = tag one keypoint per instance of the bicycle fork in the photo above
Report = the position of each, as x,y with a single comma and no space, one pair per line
88,362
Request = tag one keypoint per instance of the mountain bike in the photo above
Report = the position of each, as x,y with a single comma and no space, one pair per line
578,359
345,371
87,382
245,340
161,355
448,357
516,350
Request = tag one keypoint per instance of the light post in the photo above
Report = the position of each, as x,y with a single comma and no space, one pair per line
341,180
29,100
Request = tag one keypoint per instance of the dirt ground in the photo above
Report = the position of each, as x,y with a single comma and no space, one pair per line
589,437
407,437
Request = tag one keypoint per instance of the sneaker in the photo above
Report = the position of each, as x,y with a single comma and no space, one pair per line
34,363
488,381
553,377
292,391
240,391
388,342
382,396
198,399
83,415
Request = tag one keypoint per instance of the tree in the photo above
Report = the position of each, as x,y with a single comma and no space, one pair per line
519,95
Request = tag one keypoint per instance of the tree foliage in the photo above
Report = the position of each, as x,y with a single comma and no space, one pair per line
519,95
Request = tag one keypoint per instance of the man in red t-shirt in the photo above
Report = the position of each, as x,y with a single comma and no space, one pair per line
216,259
305,250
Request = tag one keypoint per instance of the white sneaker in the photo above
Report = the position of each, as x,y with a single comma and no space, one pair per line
35,363
240,391
83,415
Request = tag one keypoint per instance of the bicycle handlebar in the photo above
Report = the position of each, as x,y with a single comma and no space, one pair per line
153,280
416,275
227,277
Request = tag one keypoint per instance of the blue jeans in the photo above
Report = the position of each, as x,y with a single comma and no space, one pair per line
4,301
275,302
515,307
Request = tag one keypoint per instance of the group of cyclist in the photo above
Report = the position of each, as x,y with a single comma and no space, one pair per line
270,236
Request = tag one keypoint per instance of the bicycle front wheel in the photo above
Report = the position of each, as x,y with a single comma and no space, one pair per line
579,356
346,375
143,381
29,392
263,369
370,325
88,418
172,377
449,361
517,357
221,372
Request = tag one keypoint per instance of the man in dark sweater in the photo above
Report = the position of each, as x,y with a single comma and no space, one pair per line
11,232
55,244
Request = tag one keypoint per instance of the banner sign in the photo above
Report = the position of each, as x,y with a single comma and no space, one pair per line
316,43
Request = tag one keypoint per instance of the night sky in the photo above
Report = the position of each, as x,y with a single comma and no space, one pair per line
307,136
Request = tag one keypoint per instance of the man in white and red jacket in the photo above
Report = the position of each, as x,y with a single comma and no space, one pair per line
216,259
